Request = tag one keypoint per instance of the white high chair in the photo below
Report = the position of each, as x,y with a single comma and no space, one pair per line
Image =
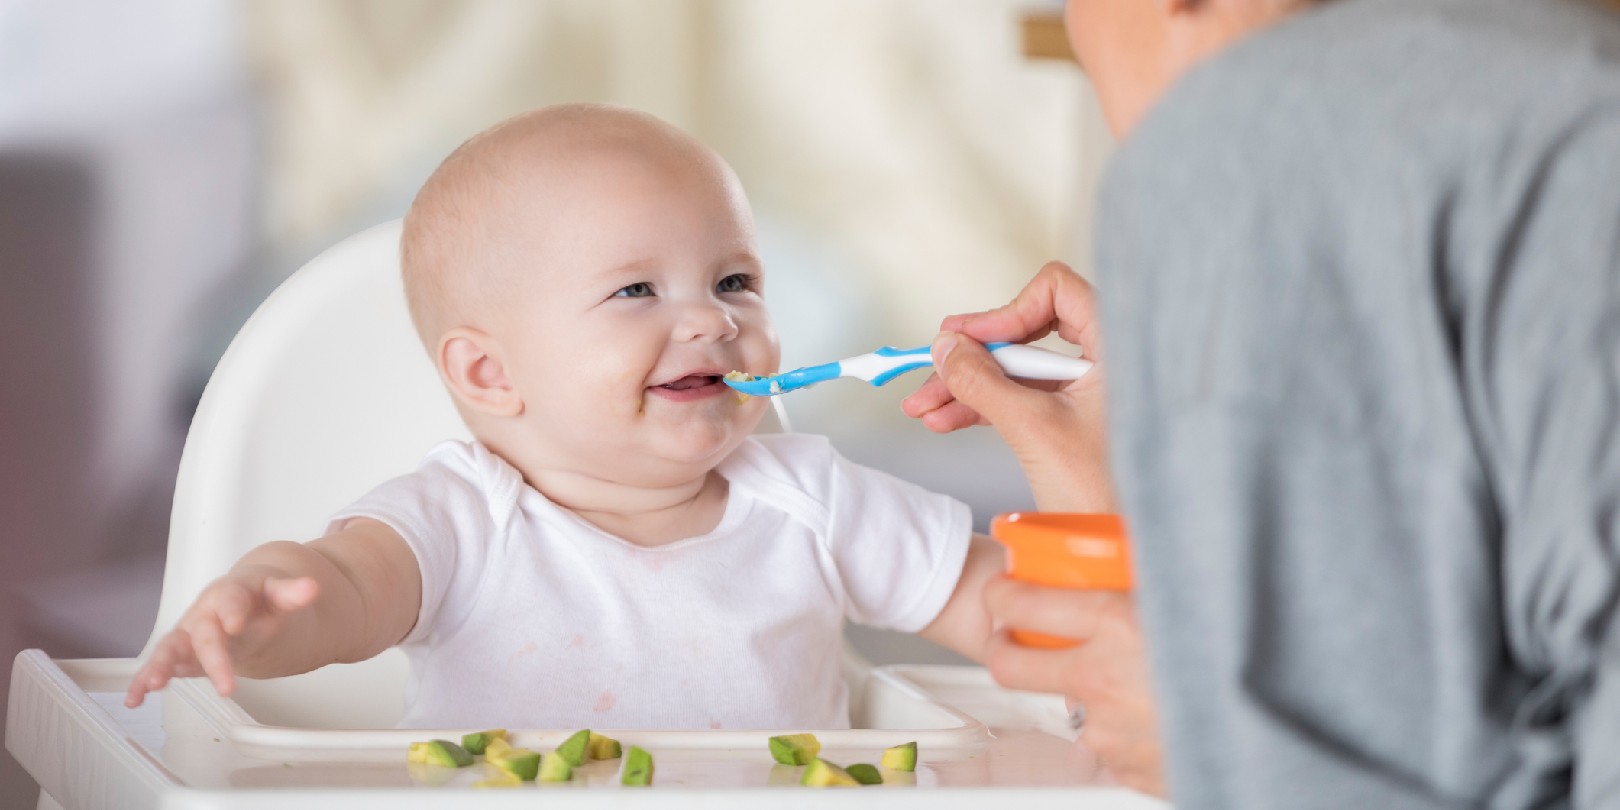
324,393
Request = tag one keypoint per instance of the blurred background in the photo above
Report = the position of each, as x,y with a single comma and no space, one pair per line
165,164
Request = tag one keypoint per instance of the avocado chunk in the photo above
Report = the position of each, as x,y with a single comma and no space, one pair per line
638,768
901,757
439,752
795,749
496,747
601,747
865,774
821,773
573,748
555,768
478,740
519,762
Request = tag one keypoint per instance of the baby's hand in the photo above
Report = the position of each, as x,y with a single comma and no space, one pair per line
232,619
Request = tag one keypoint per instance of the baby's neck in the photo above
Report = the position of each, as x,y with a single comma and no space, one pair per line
641,515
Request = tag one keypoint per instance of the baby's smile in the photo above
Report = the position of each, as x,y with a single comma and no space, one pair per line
690,388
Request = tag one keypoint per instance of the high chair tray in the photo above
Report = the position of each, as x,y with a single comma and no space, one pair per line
189,748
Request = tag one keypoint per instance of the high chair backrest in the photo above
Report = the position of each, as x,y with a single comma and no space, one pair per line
323,394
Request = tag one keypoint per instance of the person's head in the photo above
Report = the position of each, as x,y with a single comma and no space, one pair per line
1133,50
583,275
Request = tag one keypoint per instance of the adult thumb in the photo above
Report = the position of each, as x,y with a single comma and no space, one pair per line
975,379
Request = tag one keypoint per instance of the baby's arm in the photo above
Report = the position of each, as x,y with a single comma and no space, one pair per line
287,607
964,624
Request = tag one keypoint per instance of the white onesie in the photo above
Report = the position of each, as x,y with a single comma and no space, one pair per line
533,618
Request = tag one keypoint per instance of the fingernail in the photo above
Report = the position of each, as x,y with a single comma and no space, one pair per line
943,344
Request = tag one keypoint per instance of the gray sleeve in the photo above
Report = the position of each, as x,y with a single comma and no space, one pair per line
1541,346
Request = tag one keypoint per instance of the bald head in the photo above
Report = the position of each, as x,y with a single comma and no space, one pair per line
456,254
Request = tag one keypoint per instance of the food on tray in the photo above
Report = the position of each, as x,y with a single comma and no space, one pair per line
573,748
476,741
865,774
901,757
601,747
795,749
821,773
638,768
555,768
519,762
439,752
496,747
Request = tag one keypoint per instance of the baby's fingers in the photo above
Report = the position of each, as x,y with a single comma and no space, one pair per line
287,595
171,658
208,642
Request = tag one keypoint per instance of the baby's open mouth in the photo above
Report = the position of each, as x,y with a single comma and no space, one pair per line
692,381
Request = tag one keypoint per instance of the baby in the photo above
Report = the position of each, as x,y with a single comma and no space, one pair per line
615,550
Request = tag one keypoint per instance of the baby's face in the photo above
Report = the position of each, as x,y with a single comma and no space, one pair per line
641,286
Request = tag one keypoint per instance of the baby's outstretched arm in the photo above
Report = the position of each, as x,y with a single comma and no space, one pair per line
287,607
964,623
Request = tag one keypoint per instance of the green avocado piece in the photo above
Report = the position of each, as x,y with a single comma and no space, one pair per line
821,773
573,748
901,757
555,768
476,742
795,749
638,768
519,762
865,774
443,752
601,747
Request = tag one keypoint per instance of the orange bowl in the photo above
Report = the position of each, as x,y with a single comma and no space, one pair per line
1063,550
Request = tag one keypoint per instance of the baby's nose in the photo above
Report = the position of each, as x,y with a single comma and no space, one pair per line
706,322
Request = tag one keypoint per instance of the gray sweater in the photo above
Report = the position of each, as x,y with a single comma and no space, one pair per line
1360,280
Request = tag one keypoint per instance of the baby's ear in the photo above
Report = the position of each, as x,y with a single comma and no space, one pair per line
470,361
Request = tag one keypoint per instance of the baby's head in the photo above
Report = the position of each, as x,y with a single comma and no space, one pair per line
582,276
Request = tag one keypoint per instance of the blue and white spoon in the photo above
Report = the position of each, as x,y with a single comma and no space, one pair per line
883,365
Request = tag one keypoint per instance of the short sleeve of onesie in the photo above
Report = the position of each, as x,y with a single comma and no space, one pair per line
448,512
897,548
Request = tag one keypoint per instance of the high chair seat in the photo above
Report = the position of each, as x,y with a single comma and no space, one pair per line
323,394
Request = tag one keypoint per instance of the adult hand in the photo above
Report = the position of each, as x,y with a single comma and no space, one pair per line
1056,430
233,618
1107,674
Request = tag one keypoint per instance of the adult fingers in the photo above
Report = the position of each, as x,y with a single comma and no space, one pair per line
978,383
209,645
1057,298
1032,669
1066,612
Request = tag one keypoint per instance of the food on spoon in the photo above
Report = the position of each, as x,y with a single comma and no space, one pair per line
901,757
740,376
821,773
600,747
554,768
439,752
476,741
865,774
795,749
519,762
573,748
638,768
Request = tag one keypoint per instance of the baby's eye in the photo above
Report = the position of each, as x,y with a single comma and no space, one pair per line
640,289
736,282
